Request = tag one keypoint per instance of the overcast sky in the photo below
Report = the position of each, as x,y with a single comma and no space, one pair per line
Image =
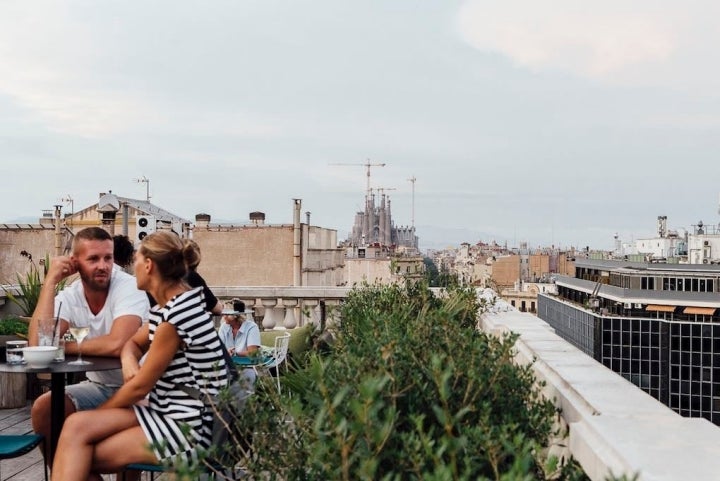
559,122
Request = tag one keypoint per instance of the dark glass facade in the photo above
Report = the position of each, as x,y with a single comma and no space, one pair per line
637,350
675,361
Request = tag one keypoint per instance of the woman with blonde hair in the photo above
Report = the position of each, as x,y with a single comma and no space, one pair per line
183,349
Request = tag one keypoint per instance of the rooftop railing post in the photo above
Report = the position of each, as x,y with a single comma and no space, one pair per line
290,321
309,308
270,320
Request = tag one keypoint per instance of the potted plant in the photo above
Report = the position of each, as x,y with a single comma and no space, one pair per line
30,284
11,329
13,386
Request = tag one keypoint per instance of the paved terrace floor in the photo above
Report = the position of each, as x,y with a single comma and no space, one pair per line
29,466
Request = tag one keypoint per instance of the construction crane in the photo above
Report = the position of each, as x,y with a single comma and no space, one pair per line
412,180
367,165
381,190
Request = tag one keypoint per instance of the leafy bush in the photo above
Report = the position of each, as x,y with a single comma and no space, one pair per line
13,326
410,390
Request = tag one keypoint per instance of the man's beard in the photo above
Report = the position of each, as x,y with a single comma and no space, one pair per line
95,285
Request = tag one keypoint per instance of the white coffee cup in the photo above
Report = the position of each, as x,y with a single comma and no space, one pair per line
14,351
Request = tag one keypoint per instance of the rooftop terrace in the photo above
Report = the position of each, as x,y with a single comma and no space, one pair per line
613,427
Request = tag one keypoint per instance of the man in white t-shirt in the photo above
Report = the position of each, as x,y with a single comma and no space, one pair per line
104,295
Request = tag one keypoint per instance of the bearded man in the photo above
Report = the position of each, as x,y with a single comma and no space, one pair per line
105,296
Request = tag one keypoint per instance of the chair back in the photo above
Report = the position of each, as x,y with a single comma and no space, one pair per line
277,357
279,352
281,348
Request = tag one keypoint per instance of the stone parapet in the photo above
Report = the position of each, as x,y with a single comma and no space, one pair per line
613,427
289,292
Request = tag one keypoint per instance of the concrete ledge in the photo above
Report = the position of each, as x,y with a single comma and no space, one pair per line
613,427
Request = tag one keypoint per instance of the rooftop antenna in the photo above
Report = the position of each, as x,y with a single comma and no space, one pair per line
146,181
412,217
69,200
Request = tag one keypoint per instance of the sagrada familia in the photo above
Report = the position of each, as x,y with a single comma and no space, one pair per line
375,226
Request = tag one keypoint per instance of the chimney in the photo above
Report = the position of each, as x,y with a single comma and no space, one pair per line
297,248
202,220
257,218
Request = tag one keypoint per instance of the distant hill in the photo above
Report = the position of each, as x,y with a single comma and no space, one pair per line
433,237
23,220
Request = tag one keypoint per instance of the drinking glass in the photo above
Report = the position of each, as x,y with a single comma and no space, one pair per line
46,331
79,328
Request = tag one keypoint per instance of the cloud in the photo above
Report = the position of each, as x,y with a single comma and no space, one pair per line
46,72
597,40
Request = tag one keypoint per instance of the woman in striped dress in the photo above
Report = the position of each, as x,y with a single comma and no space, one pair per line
149,419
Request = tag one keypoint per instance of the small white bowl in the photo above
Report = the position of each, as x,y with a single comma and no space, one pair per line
39,356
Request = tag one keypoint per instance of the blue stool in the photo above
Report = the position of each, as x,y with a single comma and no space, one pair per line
151,468
158,468
14,446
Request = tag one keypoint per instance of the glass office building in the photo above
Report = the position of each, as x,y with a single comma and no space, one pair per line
657,325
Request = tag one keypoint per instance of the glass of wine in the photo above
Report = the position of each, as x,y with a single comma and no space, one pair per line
79,328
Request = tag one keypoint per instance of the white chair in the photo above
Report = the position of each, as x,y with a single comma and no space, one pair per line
276,359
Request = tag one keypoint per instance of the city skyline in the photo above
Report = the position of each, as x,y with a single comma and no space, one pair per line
520,122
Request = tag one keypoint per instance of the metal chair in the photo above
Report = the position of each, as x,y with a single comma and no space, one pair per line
14,446
277,358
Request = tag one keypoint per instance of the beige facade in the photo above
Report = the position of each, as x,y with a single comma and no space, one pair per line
506,271
523,295
379,264
566,265
408,267
539,265
369,271
244,255
263,255
36,239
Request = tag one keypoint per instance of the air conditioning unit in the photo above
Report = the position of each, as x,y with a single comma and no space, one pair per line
144,225
705,261
638,305
627,305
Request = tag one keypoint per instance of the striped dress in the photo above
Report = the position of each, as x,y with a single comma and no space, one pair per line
175,423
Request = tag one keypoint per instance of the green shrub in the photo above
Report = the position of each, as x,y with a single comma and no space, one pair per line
410,390
13,326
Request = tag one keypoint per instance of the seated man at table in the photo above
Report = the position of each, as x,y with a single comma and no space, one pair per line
240,335
111,301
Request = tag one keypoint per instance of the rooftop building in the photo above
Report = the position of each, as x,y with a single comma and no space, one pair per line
656,324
